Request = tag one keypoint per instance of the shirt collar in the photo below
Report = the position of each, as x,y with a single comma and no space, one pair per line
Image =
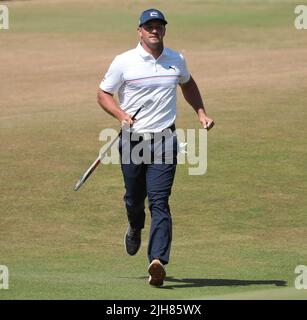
146,55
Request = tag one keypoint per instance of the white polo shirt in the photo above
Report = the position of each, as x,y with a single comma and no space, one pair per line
136,76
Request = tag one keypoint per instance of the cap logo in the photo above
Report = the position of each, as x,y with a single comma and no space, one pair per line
154,14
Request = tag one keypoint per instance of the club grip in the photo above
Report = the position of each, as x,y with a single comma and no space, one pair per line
136,113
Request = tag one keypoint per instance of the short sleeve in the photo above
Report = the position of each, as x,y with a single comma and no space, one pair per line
113,79
184,72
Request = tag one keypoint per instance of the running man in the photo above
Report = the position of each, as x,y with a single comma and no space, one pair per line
150,72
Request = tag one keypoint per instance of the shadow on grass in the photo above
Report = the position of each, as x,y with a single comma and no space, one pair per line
198,283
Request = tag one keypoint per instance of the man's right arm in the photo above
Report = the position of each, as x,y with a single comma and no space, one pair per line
108,104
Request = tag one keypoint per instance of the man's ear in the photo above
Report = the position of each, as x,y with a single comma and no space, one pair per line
139,31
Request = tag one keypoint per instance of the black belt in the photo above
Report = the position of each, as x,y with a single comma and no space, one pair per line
172,127
150,135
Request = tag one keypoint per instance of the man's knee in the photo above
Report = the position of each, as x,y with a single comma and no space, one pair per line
158,203
134,207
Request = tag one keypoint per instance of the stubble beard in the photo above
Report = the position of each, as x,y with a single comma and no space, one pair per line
157,46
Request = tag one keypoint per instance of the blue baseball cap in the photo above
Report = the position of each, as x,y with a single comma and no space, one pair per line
151,14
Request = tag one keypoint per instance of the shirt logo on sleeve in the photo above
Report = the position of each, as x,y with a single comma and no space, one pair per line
172,67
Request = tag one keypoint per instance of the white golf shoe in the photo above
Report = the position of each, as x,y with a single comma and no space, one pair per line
157,273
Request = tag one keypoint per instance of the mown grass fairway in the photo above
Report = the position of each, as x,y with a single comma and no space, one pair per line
238,230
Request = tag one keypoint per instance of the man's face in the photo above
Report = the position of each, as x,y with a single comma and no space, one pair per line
152,33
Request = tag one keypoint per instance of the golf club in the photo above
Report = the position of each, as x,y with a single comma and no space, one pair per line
95,164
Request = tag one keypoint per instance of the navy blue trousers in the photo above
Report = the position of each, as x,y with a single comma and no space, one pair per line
152,179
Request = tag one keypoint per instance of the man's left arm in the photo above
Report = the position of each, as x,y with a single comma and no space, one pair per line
192,96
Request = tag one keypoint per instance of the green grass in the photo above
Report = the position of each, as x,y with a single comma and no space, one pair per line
188,15
239,230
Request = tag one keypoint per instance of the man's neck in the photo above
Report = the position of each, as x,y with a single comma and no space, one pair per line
155,52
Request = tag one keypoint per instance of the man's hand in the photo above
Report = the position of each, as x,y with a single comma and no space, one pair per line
206,122
125,120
